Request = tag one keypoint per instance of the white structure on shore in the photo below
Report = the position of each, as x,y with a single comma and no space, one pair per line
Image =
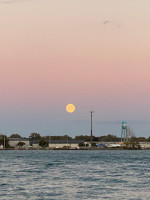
64,143
13,142
69,144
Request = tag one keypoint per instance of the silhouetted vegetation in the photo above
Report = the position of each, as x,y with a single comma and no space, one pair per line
15,136
85,138
20,144
109,138
140,139
148,139
83,144
93,144
35,136
133,143
43,142
4,140
64,137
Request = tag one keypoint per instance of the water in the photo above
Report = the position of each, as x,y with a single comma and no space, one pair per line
71,175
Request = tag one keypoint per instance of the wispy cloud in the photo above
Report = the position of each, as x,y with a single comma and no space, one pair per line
106,22
112,23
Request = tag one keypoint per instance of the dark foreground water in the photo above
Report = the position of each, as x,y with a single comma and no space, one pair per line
70,175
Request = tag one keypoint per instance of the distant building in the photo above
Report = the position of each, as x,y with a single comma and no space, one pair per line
64,143
13,142
144,145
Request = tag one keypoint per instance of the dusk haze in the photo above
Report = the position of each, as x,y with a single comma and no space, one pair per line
74,99
94,54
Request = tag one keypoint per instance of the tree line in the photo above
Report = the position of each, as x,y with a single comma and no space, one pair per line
86,138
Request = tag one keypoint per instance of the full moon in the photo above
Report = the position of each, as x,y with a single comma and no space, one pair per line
70,108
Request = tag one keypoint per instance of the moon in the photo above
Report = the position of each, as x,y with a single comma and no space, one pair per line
70,108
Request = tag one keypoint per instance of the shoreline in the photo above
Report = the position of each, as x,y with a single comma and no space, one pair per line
62,149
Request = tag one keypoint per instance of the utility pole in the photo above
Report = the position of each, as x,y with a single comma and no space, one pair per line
91,126
4,142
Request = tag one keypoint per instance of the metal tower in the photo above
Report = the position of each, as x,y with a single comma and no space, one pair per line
124,131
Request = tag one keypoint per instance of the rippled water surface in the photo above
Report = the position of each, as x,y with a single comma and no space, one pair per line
73,175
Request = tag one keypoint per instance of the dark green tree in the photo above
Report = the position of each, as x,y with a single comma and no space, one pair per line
93,144
132,143
81,144
43,142
141,139
35,136
4,140
15,136
148,139
64,137
109,138
20,144
86,138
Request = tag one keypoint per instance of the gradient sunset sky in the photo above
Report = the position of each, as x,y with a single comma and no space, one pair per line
92,53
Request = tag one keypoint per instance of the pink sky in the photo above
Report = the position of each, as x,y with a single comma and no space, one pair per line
92,53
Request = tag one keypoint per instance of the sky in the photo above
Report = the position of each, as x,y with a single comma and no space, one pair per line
91,53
